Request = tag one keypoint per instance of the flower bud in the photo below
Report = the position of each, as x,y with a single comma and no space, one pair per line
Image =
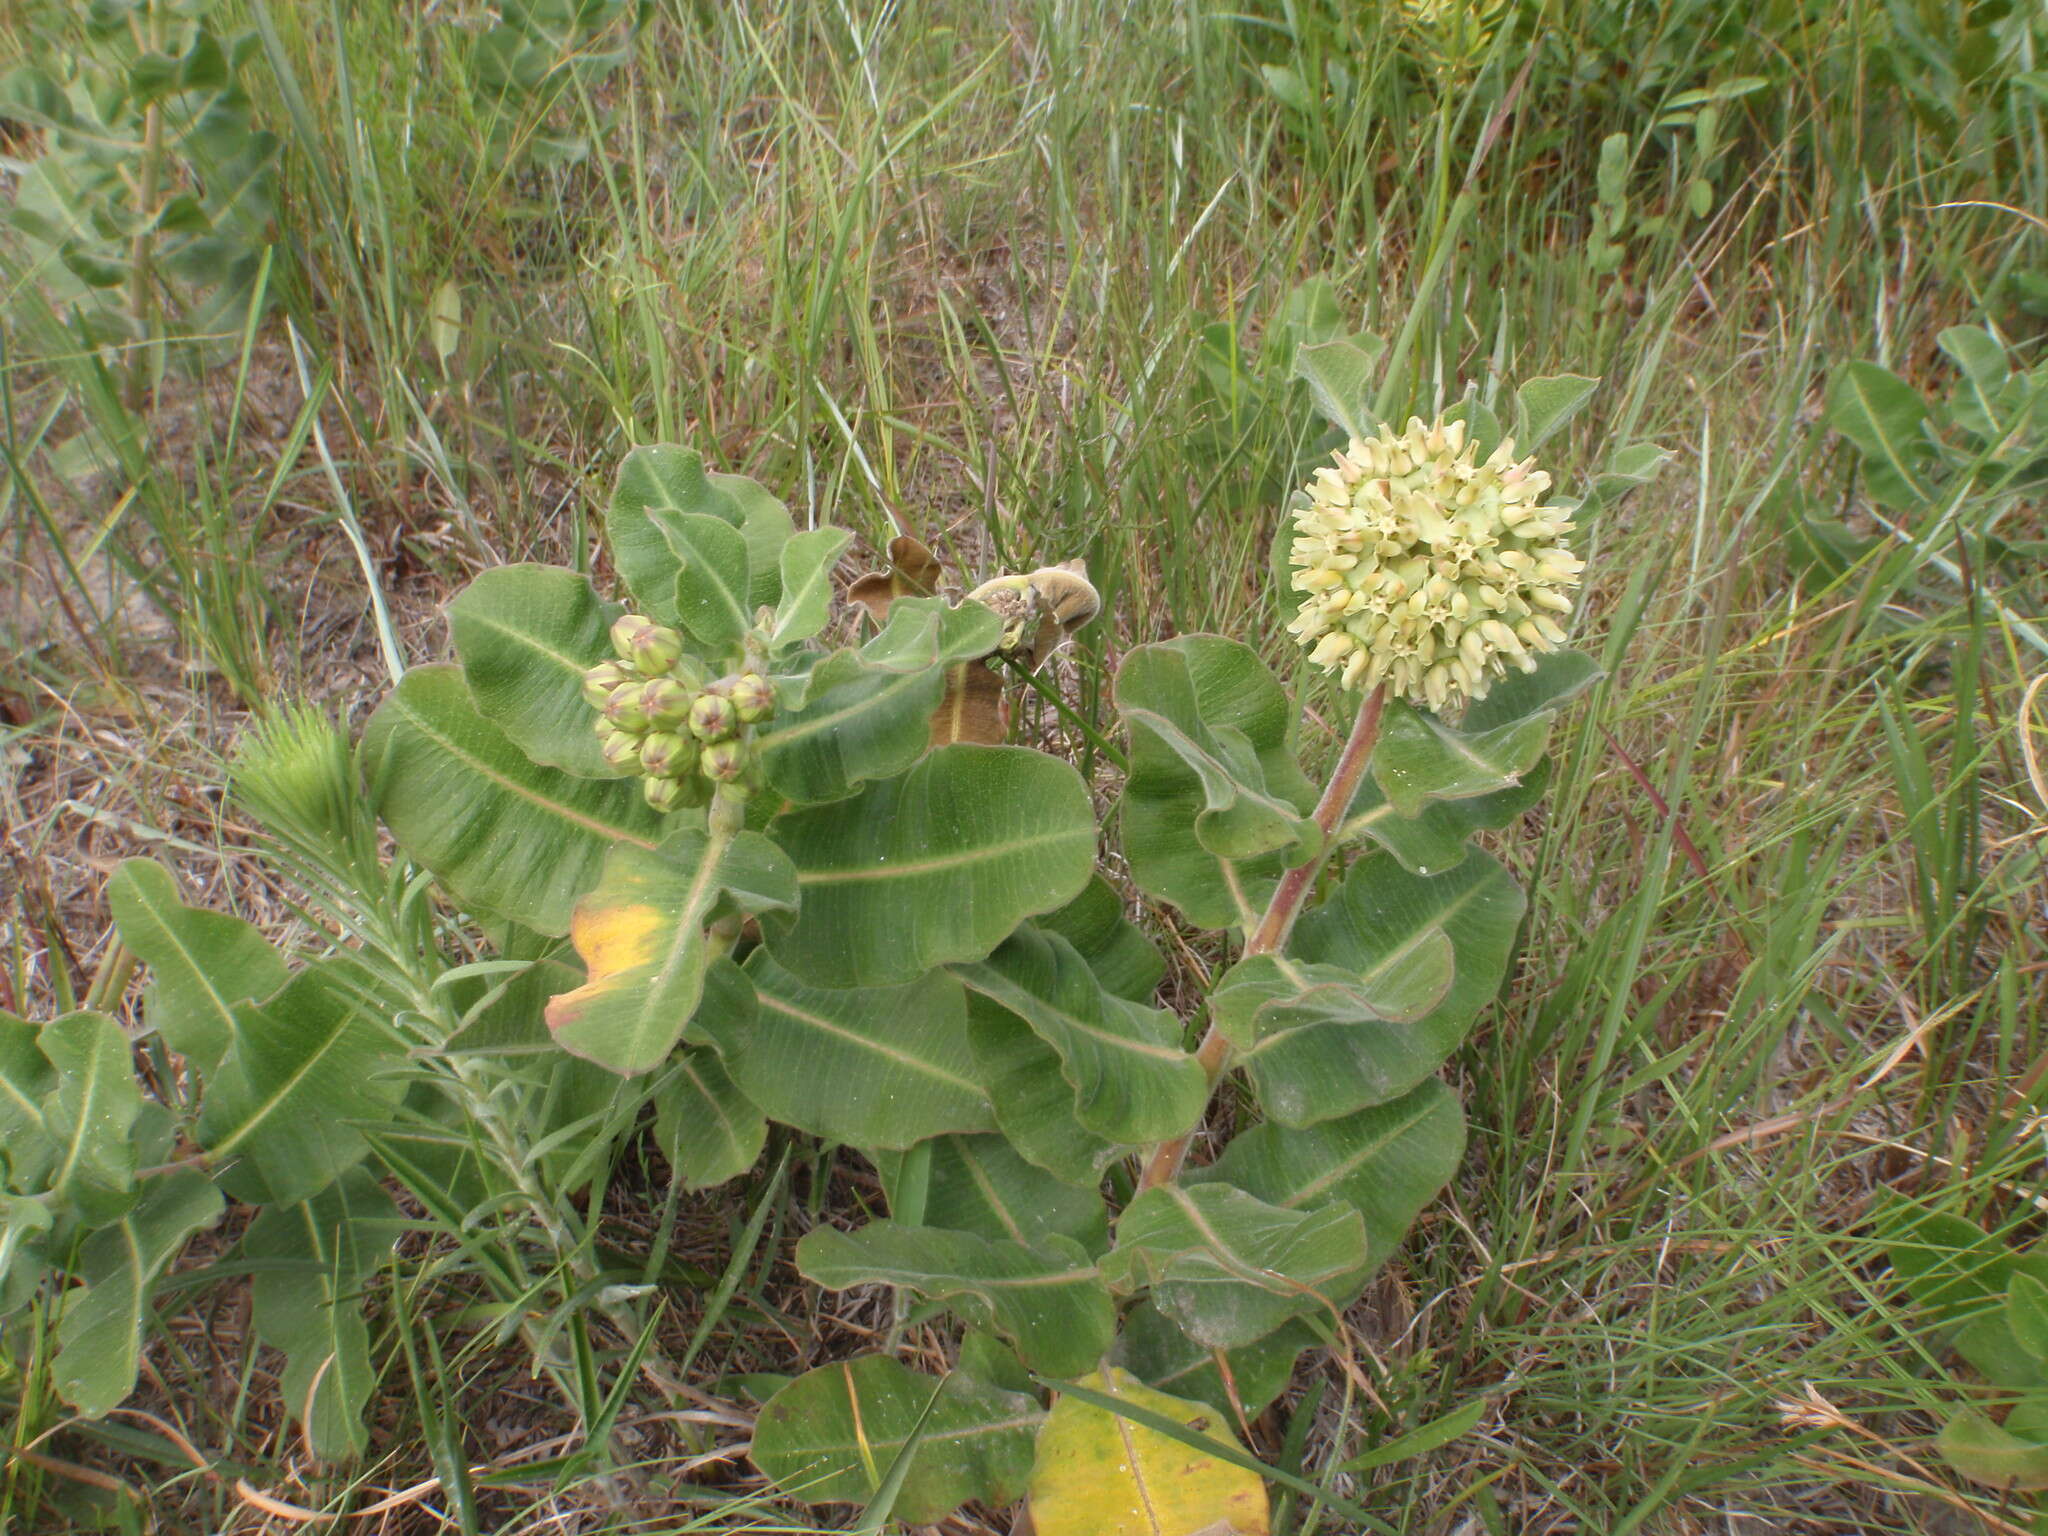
753,697
665,795
723,762
713,718
666,703
646,644
623,708
622,751
600,680
666,755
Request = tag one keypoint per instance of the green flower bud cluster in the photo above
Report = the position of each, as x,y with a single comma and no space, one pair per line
658,716
1427,570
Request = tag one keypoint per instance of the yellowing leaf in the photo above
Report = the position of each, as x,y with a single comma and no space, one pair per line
1099,1474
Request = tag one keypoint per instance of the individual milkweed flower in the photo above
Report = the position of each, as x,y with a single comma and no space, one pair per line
713,717
1428,570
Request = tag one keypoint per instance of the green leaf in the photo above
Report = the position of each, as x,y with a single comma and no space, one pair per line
99,1338
1886,419
1133,1081
983,1185
1049,1301
1318,1040
1116,949
1340,378
641,933
923,632
1230,1268
1218,695
1034,1104
26,1077
1629,467
857,723
201,963
1985,369
1420,759
1455,1425
808,560
526,635
304,1066
707,1129
712,581
870,1066
937,865
25,1224
660,484
1544,405
1482,427
1961,1275
1378,913
88,1113
1152,1347
1101,1474
507,837
1386,1162
306,1301
2026,1313
1433,841
830,1437
1987,1454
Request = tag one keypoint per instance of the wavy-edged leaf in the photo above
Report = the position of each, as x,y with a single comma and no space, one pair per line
1218,695
1420,759
1152,1347
983,1185
808,560
832,1435
1379,912
1229,1267
201,963
1034,1104
526,635
881,1067
1386,1162
99,1338
306,1301
1317,1040
857,722
1101,1474
924,632
1430,843
1133,1081
660,484
306,1065
937,865
706,1127
1116,949
505,835
1048,1301
712,582
641,933
88,1113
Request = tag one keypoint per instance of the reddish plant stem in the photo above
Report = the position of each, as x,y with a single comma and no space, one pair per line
1270,937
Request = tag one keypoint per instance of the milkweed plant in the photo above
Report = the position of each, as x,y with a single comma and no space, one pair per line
741,842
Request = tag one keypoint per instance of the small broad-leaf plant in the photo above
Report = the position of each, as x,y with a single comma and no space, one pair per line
806,883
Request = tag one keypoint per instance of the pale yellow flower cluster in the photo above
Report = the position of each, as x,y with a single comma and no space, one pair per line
1427,570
